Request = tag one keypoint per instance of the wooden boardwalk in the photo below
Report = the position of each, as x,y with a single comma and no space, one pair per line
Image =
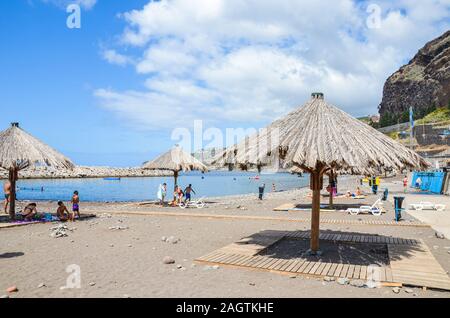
410,260
18,224
372,222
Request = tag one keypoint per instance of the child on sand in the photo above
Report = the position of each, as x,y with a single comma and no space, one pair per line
75,204
63,214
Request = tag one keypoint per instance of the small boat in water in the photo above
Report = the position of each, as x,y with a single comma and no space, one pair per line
112,179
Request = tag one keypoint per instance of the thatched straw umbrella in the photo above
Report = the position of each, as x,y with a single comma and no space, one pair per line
19,150
319,138
175,160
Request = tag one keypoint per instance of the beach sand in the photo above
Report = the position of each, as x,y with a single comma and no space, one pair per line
128,262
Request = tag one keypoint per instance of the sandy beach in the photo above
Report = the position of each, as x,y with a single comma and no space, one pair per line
120,252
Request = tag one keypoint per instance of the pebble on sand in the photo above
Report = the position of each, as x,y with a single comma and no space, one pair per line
439,235
343,281
12,289
396,290
41,285
168,260
357,283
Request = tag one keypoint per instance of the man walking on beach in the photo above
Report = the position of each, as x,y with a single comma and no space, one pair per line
188,191
7,191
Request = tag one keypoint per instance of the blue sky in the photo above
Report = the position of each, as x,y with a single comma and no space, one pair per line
112,92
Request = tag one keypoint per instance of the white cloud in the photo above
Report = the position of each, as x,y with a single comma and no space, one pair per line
116,58
249,61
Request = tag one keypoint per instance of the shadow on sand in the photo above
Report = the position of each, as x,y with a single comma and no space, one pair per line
295,244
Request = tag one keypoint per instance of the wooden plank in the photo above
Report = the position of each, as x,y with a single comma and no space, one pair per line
209,255
332,269
344,270
275,263
356,271
383,274
243,260
314,268
351,268
308,268
226,259
292,265
269,263
280,265
218,257
325,269
338,271
297,266
235,260
389,277
363,272
301,269
261,262
287,264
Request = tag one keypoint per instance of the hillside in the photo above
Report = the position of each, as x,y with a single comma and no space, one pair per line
423,83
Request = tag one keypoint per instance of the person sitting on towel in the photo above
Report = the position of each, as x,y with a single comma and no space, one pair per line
29,212
63,214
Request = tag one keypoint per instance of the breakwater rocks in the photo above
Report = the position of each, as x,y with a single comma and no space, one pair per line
86,172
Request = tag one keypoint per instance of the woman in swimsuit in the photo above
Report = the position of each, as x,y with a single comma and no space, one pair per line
29,212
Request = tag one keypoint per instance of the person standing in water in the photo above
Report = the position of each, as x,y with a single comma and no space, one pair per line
75,204
187,192
261,191
7,191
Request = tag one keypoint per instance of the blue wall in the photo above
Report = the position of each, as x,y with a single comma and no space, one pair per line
431,181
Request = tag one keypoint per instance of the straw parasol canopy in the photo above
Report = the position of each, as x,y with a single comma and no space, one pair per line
20,150
319,139
175,160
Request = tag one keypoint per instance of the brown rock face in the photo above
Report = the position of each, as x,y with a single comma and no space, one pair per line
422,83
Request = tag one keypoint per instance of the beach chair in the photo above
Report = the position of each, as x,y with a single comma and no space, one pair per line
374,209
427,206
199,204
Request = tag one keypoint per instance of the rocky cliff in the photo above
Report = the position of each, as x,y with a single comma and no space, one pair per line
423,83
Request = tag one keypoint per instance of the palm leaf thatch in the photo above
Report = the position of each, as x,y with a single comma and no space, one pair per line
320,133
19,150
175,160
321,139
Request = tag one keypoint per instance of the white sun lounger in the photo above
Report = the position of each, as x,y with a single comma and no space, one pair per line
375,209
427,206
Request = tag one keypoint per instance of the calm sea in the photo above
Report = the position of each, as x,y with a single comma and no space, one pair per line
140,189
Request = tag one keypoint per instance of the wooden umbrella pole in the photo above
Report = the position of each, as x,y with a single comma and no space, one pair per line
175,176
331,177
316,186
12,197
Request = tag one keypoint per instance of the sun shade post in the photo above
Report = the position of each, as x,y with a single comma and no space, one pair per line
316,184
331,181
12,197
175,176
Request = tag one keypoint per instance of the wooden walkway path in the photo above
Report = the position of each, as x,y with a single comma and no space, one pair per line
411,262
18,224
373,222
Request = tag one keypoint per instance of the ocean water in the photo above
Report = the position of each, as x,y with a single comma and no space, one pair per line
140,189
